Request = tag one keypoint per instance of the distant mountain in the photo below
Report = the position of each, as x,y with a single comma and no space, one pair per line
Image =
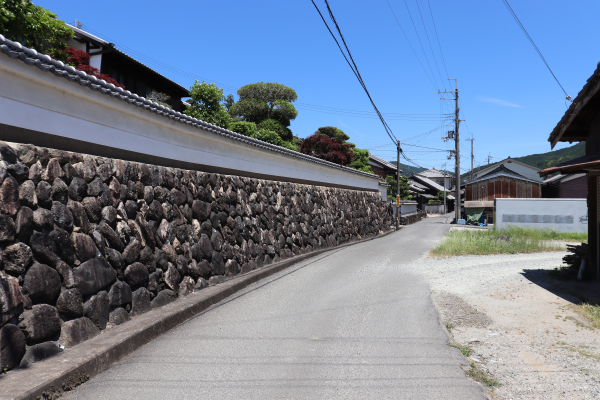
544,160
407,170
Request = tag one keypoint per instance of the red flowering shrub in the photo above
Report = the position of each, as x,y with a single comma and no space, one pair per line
81,61
327,148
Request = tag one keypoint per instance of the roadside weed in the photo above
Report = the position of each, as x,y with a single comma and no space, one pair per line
464,349
483,377
449,326
591,312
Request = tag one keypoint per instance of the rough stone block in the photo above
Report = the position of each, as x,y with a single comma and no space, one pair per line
94,275
11,297
42,284
17,258
140,303
40,323
119,294
77,331
163,298
118,316
97,309
136,275
70,303
39,352
12,346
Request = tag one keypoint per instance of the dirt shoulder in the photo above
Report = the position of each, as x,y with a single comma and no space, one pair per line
519,322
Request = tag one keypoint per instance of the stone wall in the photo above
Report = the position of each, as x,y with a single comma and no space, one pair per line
89,242
412,218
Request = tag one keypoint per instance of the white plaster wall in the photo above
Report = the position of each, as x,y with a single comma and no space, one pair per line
96,61
40,101
76,44
547,212
383,191
408,208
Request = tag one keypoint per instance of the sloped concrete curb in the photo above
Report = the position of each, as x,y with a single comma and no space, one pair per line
51,378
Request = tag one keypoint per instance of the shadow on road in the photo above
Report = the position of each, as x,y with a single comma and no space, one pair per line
573,291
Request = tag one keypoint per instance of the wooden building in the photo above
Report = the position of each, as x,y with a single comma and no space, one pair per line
501,183
498,183
137,77
581,123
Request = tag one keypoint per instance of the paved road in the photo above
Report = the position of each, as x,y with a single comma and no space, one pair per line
347,324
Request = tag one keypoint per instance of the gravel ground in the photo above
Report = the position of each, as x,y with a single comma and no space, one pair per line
522,329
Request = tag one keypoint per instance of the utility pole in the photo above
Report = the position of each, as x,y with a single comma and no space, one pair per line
398,186
444,188
489,158
471,140
457,151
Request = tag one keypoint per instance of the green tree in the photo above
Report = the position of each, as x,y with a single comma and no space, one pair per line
272,125
34,27
360,161
243,127
334,133
439,198
205,104
393,189
229,101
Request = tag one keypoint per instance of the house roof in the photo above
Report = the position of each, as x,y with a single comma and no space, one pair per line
577,165
110,47
415,188
554,179
561,178
45,63
507,160
572,127
434,173
501,170
427,182
383,162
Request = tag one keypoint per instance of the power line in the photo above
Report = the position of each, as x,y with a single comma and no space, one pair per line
411,47
534,46
438,38
419,37
430,46
353,66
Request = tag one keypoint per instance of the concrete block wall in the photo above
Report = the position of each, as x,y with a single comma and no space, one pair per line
88,242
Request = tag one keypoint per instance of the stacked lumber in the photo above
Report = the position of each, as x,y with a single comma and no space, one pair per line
578,253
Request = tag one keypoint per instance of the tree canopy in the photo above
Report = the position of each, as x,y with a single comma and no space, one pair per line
393,189
205,104
34,27
265,100
326,148
330,143
439,198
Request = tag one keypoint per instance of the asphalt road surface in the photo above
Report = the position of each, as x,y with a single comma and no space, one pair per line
347,324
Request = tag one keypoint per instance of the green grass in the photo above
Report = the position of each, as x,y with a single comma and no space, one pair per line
522,240
481,376
465,350
591,312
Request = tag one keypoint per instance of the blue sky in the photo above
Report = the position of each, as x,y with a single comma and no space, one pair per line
509,99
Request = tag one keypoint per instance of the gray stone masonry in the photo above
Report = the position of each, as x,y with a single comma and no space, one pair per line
87,242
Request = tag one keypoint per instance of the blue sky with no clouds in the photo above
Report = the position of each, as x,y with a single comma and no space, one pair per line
509,99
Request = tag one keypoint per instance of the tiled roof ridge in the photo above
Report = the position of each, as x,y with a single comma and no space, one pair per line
46,63
381,160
